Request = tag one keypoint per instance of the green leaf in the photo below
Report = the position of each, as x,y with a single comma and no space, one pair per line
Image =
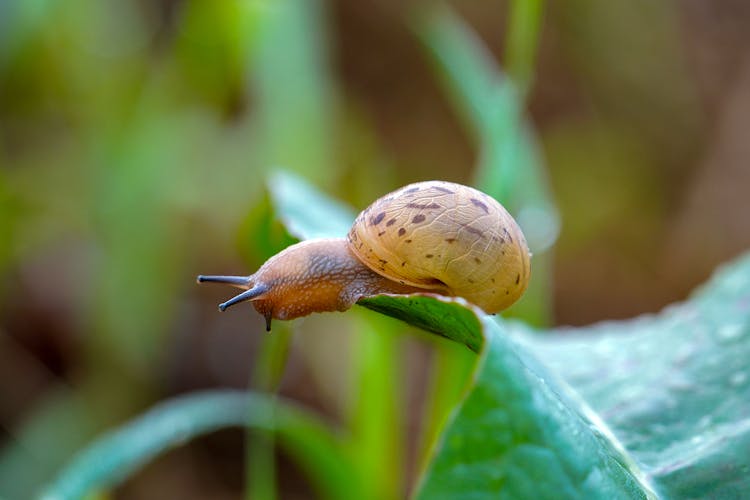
449,317
119,454
522,39
569,415
305,211
373,418
673,387
292,88
520,434
657,405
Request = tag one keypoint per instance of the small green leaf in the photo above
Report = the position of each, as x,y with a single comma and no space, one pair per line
449,317
305,211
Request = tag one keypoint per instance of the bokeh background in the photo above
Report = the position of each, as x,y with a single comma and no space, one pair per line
136,139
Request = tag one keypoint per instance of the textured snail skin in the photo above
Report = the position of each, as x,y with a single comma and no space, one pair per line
433,236
316,276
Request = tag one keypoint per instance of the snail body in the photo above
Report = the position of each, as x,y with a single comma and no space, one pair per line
435,237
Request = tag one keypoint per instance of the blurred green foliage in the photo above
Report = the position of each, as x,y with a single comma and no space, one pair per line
136,142
525,429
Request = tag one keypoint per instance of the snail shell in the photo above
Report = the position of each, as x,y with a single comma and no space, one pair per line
448,238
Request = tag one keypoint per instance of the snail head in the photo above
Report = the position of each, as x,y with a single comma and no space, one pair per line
252,290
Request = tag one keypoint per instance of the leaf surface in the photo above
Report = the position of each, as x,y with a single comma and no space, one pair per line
654,406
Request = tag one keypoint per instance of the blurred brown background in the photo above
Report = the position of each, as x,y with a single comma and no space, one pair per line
639,107
641,110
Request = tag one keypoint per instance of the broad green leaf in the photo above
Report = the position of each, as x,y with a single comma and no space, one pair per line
630,409
673,387
542,445
119,454
617,410
520,433
654,406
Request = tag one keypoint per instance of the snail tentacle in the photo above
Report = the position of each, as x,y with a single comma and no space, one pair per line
232,280
255,292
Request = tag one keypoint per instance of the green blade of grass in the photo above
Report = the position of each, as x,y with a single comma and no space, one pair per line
119,454
260,444
376,441
510,166
292,88
522,40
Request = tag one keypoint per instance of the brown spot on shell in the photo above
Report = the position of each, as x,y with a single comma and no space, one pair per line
481,205
444,190
470,280
476,259
403,263
377,219
428,256
381,233
401,231
390,222
473,230
418,218
423,206
518,278
407,241
382,261
450,240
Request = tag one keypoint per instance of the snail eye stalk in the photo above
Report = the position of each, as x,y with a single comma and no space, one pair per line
254,293
231,280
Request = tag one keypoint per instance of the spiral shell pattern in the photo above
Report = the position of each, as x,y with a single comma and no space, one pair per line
447,238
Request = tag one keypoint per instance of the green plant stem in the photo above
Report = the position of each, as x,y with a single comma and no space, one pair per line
521,42
260,446
375,421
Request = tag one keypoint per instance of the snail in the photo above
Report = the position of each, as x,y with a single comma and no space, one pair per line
428,237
